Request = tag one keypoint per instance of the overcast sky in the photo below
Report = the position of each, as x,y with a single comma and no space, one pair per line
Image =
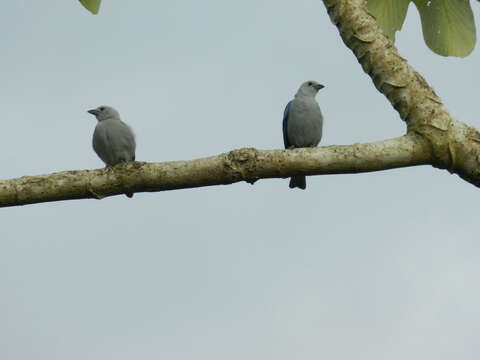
370,266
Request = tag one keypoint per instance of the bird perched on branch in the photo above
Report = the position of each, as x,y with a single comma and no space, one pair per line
113,140
302,123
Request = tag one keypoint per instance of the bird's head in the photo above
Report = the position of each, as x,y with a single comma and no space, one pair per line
104,112
310,87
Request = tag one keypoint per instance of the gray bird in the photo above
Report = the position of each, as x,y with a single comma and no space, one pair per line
302,123
113,140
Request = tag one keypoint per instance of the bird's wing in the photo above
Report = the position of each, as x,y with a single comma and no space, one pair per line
129,138
123,141
285,121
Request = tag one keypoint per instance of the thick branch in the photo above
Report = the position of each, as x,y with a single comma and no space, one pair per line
455,146
433,137
239,165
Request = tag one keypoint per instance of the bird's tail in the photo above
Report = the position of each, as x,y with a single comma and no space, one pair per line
298,181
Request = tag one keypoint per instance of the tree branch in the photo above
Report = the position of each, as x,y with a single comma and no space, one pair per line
455,146
434,137
246,164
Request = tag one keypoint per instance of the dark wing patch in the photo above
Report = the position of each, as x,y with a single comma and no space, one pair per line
285,121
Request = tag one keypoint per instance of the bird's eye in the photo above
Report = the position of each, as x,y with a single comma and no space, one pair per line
102,108
310,83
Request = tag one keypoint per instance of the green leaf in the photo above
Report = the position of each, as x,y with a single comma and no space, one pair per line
448,26
390,14
91,5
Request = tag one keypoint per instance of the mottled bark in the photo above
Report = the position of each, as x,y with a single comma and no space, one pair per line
455,146
238,165
434,137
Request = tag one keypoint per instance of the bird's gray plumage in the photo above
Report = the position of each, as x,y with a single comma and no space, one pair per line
113,140
302,123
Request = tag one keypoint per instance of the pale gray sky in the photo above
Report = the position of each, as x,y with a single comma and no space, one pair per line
371,266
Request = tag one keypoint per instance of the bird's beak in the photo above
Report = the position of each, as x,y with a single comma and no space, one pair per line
93,112
319,86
